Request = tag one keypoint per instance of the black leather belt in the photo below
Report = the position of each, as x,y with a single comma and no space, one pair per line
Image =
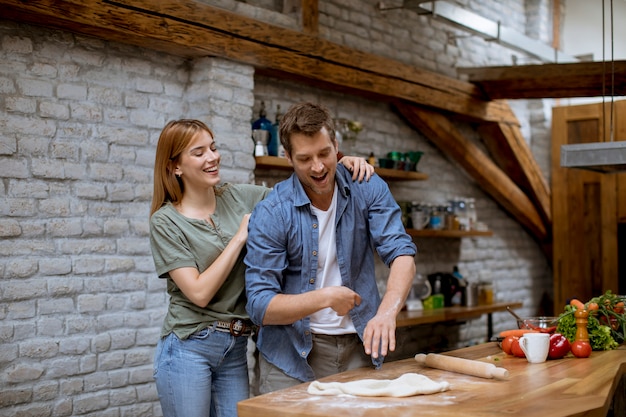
236,327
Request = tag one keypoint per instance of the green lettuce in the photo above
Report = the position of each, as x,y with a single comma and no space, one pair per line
600,336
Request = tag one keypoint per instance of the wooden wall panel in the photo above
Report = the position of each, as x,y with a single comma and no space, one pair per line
584,212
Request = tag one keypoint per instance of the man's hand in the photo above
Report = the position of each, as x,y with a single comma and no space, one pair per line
342,299
380,335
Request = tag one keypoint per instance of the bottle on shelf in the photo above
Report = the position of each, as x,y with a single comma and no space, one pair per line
274,145
471,213
450,217
461,214
458,297
262,123
436,218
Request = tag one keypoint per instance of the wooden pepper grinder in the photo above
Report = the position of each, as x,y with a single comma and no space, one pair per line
581,348
582,316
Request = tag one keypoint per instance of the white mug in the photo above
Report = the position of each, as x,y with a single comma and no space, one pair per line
535,346
420,219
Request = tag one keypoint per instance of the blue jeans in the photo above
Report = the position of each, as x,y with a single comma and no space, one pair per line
202,376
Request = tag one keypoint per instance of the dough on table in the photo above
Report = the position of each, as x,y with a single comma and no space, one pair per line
406,385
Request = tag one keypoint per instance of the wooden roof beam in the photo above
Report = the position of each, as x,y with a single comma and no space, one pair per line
580,79
443,134
513,155
189,28
310,17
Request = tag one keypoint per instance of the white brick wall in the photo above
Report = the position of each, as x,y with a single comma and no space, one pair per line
80,306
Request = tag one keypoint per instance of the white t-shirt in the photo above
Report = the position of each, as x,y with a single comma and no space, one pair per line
326,321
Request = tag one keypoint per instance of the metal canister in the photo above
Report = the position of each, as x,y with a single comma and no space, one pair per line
471,295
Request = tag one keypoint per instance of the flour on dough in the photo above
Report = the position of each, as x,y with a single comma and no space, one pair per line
404,386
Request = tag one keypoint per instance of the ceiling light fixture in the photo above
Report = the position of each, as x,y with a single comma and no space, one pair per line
604,157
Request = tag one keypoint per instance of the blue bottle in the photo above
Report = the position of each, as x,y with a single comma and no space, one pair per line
460,292
273,147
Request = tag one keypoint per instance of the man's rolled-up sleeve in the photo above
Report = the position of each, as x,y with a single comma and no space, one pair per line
265,260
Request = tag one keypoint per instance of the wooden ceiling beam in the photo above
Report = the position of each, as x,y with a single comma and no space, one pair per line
443,134
310,17
189,28
580,79
510,151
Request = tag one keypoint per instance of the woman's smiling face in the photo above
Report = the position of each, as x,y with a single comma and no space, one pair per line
198,164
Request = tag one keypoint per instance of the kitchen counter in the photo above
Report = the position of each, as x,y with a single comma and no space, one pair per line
556,388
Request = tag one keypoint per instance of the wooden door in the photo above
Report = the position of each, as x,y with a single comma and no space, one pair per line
586,207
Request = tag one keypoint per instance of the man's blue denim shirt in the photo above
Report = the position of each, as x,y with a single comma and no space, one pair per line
282,252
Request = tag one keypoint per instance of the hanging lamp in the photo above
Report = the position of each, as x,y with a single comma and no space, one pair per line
604,157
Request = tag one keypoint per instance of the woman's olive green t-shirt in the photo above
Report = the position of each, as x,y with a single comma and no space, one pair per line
178,241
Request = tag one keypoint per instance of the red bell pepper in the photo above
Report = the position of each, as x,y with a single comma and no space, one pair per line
559,346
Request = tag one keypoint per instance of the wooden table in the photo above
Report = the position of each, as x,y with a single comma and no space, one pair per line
556,388
456,313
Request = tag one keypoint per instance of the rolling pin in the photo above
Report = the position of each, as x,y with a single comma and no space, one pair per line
462,366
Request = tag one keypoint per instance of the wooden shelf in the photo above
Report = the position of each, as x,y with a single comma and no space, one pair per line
456,313
272,162
397,175
449,233
275,162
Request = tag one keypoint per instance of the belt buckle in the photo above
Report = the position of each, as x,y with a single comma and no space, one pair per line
237,327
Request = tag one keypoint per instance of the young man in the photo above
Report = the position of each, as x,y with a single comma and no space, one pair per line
310,278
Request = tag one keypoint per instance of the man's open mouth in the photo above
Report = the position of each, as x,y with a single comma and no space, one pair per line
320,178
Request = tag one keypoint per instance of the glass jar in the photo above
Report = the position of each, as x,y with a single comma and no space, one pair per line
436,218
461,214
449,218
471,213
485,293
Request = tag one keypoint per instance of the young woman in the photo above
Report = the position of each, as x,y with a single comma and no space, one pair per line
198,229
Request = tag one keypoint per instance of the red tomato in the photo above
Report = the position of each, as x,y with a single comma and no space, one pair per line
516,350
559,346
507,344
581,349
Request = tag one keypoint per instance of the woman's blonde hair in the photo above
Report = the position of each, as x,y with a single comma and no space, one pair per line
174,138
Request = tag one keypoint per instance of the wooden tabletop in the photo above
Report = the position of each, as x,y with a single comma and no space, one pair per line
556,388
